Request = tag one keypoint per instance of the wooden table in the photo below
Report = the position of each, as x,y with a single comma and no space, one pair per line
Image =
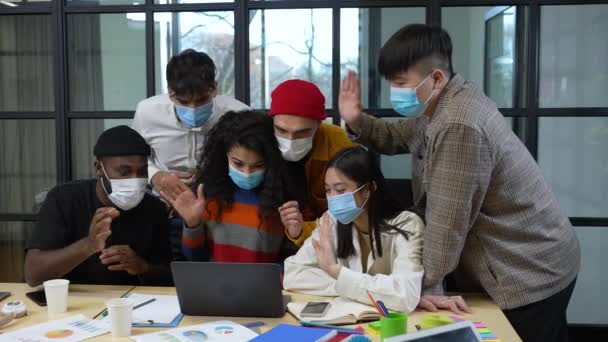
90,301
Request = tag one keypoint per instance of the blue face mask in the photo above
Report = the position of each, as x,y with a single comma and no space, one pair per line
194,117
344,207
405,101
246,181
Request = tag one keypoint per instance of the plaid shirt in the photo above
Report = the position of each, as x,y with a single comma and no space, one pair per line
488,208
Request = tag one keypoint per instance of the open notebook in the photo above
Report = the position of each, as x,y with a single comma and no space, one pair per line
341,312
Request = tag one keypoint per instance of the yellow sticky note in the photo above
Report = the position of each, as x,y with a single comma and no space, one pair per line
434,320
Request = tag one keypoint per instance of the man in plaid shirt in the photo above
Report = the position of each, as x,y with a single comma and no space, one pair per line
489,211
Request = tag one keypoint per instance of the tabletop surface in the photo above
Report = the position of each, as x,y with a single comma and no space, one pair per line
90,301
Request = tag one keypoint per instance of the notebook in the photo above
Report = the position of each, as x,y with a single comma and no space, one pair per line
341,312
292,333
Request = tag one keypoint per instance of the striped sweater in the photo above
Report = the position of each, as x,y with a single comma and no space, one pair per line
238,237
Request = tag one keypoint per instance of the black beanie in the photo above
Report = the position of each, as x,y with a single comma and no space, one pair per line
121,141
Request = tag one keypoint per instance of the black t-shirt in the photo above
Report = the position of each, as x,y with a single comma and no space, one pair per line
65,218
297,172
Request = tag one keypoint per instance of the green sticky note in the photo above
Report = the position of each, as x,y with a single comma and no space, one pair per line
375,325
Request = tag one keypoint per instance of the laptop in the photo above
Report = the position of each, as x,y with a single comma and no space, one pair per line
461,332
229,289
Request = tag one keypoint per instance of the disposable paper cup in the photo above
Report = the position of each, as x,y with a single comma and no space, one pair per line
120,311
56,292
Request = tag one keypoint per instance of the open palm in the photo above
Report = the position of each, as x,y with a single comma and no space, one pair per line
190,206
350,98
326,257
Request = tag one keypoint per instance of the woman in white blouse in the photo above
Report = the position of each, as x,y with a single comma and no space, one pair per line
365,242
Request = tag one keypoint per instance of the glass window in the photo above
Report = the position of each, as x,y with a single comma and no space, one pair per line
20,3
588,303
164,2
27,164
397,166
573,54
106,61
209,32
26,63
518,125
84,136
286,44
485,48
13,237
363,31
107,2
572,154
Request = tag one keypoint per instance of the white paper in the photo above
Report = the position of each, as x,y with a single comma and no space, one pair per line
71,329
221,331
163,310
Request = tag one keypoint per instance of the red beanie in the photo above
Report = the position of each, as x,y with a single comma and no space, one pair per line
297,97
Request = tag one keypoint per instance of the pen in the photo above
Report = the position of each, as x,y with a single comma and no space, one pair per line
252,325
144,303
105,312
375,304
382,307
333,327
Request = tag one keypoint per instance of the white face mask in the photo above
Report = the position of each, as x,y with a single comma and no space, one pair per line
126,193
294,150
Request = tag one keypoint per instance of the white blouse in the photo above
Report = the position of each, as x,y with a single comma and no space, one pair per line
395,278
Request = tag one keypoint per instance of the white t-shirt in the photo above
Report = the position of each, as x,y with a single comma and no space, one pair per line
176,147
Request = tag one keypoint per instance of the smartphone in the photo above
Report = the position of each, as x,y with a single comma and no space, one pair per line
4,295
37,297
315,309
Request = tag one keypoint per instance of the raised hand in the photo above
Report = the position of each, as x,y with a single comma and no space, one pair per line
292,219
350,100
190,206
170,184
99,230
324,249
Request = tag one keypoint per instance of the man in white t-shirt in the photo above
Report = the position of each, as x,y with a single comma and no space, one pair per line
175,125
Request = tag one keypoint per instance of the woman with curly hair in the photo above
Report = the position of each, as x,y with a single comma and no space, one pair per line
241,182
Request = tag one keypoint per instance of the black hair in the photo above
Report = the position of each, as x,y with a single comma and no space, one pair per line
191,75
413,44
363,168
253,131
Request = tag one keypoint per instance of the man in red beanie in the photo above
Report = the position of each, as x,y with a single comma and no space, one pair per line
307,144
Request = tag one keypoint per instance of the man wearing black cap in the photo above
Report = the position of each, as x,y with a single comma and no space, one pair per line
105,230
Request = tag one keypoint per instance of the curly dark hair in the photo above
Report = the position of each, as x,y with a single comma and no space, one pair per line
191,75
363,168
253,131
